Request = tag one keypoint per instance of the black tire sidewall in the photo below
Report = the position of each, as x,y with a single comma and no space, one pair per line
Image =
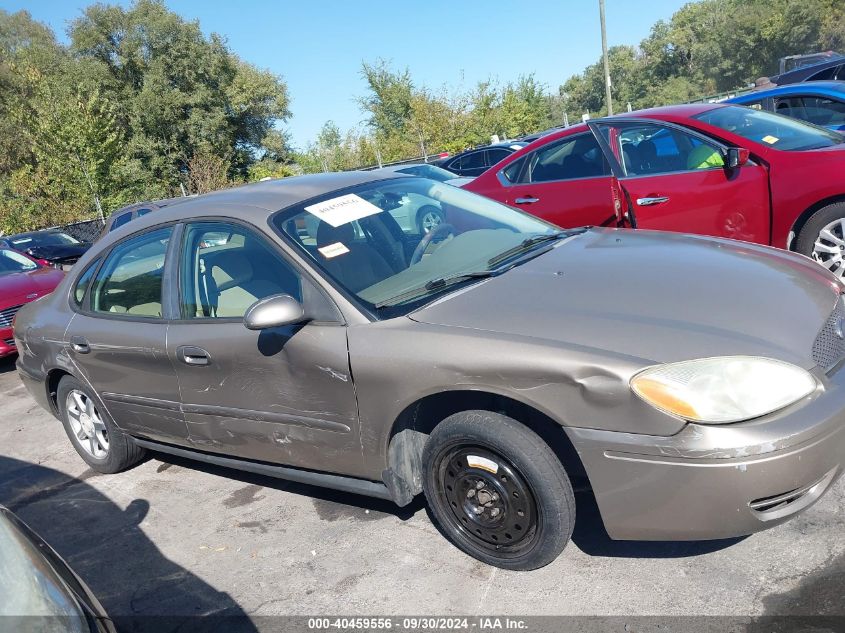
810,231
122,452
536,463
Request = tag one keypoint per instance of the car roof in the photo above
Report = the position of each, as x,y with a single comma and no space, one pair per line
832,88
30,234
802,72
253,201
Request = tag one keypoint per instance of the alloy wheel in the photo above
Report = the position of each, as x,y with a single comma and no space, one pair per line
430,220
829,247
87,424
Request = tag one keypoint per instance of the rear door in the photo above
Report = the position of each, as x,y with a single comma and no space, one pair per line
567,182
675,180
118,337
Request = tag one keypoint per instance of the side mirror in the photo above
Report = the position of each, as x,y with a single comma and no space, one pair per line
737,157
273,311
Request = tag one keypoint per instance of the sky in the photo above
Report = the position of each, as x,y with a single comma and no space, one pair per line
317,46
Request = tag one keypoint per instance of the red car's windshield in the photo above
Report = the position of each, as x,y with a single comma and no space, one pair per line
12,262
770,129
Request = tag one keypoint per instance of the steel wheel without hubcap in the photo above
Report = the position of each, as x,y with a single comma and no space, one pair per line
496,510
829,247
87,425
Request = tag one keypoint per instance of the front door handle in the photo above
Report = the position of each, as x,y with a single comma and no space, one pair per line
647,202
527,200
80,344
191,355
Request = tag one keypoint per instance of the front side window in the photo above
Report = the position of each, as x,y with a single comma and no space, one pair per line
495,155
823,111
12,262
567,159
226,268
130,280
769,129
354,239
649,148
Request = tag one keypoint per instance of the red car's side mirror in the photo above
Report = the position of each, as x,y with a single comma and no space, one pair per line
737,157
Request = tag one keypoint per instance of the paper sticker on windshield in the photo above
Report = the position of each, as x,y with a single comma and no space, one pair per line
771,140
333,250
476,461
343,209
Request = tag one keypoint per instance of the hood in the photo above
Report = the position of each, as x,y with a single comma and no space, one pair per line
659,297
16,288
58,251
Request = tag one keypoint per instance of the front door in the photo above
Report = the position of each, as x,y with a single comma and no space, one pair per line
282,395
567,182
676,180
118,339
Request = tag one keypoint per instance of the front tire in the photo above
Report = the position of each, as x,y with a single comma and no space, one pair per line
498,491
822,238
429,218
103,446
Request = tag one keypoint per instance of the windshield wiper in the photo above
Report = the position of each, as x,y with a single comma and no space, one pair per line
436,284
530,242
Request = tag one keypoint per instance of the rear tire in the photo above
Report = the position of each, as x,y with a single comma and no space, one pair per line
498,491
822,238
103,446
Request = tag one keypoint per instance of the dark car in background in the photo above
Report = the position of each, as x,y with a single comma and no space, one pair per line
38,590
831,69
476,161
22,280
54,246
818,102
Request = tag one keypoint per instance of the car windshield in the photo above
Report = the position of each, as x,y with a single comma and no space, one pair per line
777,131
12,262
42,239
428,171
369,239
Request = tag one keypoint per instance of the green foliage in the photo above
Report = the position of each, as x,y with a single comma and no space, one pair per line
707,47
138,103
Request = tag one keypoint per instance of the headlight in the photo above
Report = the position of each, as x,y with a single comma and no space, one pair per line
722,390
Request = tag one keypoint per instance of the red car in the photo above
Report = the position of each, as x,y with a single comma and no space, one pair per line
22,280
722,170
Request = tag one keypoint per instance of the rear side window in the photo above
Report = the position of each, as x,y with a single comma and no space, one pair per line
129,282
83,282
567,159
121,220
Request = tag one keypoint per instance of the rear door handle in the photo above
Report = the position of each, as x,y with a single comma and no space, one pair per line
527,200
80,344
647,202
191,355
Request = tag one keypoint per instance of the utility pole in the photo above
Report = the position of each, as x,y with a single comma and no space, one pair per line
608,98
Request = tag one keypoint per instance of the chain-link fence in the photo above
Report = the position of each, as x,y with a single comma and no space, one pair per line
86,231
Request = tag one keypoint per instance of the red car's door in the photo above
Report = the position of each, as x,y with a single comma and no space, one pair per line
567,182
676,180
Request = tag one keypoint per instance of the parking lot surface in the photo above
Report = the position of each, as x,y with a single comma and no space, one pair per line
172,537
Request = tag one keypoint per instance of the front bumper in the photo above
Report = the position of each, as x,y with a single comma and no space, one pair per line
718,481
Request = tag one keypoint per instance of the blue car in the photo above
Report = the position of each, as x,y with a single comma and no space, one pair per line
819,102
